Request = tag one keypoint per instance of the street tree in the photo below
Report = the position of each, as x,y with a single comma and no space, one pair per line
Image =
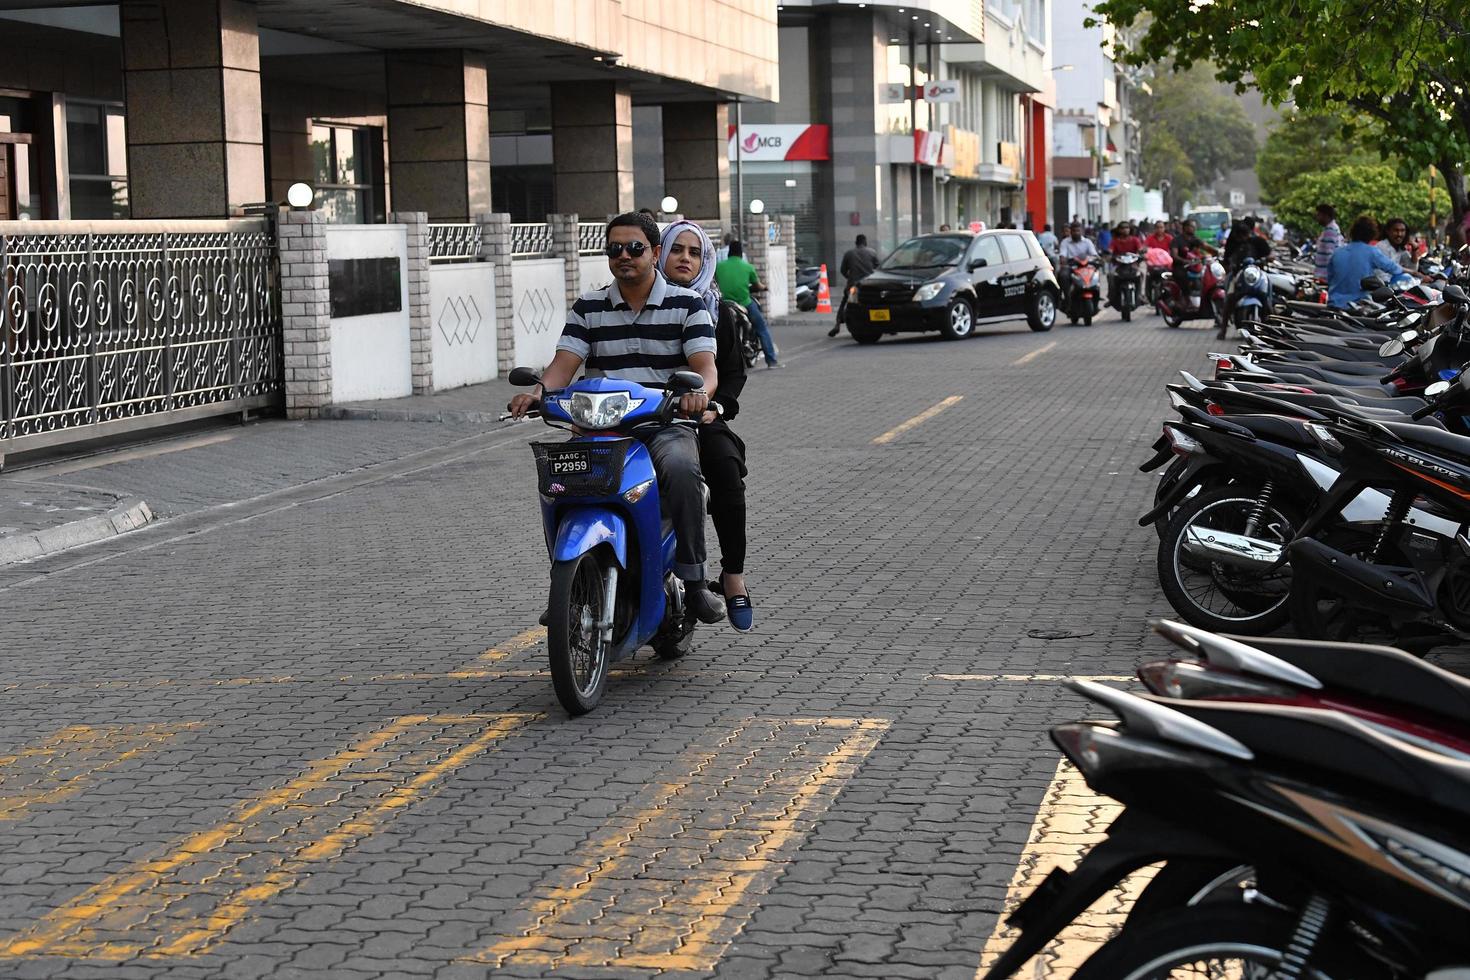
1401,63
1372,189
1187,114
1303,143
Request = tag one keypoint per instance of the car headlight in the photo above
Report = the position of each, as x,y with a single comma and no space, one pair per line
599,411
928,291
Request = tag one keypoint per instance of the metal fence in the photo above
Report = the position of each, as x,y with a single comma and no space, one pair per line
454,242
530,239
118,325
591,235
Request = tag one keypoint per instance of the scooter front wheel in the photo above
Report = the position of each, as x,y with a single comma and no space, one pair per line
574,639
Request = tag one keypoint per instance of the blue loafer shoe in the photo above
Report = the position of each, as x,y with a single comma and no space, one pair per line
738,608
741,613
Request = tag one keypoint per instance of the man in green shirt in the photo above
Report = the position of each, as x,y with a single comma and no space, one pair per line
738,279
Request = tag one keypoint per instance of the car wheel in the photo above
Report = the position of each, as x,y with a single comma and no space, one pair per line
959,320
864,335
1043,312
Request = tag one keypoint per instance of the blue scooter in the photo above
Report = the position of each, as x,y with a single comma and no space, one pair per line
613,588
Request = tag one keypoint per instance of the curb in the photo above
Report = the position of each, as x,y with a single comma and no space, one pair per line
126,516
350,414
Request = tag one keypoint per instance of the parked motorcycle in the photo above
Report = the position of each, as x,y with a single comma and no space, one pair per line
613,587
1307,806
1084,292
1127,284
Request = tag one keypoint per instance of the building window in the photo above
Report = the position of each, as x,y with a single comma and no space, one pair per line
343,172
97,160
1036,20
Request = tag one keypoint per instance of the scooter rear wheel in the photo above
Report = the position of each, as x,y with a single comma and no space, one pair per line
578,653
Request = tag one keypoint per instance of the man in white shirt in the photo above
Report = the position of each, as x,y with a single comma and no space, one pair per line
1278,230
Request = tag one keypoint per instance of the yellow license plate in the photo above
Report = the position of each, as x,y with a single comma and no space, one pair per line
878,316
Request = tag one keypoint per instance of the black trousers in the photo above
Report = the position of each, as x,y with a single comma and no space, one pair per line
675,452
722,460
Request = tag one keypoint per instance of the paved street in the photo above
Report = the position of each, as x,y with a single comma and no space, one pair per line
300,726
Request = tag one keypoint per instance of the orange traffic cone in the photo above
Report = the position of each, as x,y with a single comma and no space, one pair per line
824,293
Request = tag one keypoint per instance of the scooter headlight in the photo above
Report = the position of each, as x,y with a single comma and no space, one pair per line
591,410
1251,275
928,291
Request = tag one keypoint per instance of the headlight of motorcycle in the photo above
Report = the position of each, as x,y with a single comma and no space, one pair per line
1251,275
600,411
928,291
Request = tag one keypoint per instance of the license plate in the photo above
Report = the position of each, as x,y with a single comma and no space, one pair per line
878,316
565,462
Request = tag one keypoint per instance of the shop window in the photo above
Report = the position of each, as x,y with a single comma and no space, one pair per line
346,173
97,160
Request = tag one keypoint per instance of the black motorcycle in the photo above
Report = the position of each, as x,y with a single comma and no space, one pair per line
1128,283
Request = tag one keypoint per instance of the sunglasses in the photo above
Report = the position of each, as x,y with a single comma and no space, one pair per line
614,249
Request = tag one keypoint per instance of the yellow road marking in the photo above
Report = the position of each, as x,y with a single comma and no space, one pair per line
182,902
60,766
517,643
1028,358
1071,819
1030,677
919,419
664,888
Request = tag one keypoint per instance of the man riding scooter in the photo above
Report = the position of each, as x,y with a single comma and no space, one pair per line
643,329
1125,242
1074,248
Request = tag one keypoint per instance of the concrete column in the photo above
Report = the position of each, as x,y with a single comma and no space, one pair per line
495,247
420,316
191,72
306,312
788,238
565,247
592,147
696,159
438,133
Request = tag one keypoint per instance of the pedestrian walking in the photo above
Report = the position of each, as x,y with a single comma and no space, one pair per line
1329,241
859,261
738,280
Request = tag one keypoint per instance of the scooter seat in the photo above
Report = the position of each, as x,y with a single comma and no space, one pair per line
1274,428
1330,742
1434,440
1376,671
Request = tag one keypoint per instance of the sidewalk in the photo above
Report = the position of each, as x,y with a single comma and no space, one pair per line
68,502
483,404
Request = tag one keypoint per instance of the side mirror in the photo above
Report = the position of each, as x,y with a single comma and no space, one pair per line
1391,347
1437,389
523,377
1372,282
977,264
685,381
1456,295
1381,294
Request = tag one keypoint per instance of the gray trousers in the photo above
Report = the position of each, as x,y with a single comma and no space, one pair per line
675,452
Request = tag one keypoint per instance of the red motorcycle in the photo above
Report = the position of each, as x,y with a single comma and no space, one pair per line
1084,290
1198,295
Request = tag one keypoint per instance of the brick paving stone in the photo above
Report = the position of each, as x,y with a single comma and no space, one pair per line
292,625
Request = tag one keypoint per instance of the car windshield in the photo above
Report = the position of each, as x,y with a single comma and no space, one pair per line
927,252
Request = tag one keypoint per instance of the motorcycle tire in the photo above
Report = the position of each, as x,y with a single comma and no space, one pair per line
1244,936
1253,605
1087,319
579,662
1208,480
1172,319
1127,313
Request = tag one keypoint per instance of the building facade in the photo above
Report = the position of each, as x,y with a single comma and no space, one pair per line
197,108
896,118
1095,148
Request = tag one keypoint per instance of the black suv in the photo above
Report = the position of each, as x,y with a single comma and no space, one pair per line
950,281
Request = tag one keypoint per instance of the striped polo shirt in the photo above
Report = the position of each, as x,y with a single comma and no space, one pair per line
647,348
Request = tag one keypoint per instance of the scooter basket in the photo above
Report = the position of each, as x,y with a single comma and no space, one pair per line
577,468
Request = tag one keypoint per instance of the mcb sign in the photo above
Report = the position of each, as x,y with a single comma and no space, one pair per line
781,141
